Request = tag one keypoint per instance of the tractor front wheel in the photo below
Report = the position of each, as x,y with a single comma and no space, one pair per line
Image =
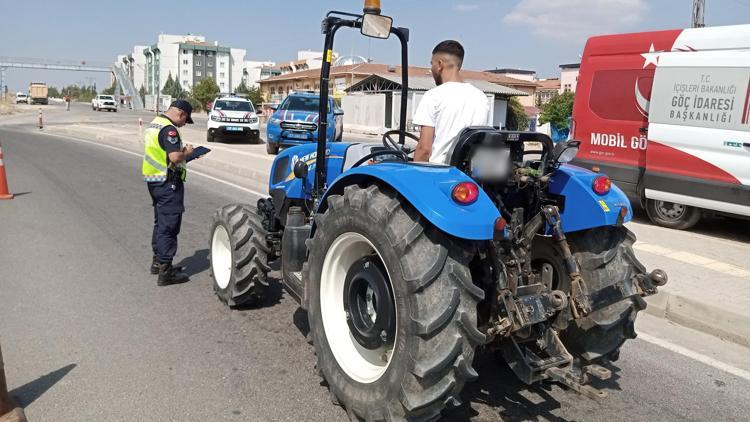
239,255
392,307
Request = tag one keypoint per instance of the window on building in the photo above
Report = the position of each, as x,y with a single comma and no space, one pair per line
184,83
198,62
273,90
185,62
221,85
198,73
184,72
209,53
198,53
210,74
184,51
221,65
210,64
222,75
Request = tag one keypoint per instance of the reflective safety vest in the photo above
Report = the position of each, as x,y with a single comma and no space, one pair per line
155,157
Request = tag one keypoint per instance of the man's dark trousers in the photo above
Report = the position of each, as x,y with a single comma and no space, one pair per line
168,209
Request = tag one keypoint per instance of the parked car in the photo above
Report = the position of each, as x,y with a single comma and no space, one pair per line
21,97
295,121
233,117
104,102
665,115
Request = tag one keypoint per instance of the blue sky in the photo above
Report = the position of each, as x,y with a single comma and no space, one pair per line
533,34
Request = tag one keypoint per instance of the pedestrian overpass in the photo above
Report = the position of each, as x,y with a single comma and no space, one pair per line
124,85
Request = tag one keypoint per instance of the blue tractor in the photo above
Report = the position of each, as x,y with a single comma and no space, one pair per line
405,269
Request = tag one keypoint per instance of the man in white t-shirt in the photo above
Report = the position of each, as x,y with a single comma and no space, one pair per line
448,108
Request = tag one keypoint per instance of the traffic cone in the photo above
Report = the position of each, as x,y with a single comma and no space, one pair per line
4,193
9,412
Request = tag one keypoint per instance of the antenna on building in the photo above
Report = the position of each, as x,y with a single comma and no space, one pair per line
699,7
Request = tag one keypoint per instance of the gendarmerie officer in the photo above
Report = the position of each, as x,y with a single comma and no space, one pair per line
164,171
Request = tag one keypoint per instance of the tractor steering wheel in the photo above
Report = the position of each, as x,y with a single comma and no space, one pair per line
392,144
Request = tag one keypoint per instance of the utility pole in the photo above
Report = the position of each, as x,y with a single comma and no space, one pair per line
699,7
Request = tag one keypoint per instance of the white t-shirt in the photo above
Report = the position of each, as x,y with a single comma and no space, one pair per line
450,108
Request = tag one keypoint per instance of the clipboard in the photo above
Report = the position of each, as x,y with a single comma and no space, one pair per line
197,152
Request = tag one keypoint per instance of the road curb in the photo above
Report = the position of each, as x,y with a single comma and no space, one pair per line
707,318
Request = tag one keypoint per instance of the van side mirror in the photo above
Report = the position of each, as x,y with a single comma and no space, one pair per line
300,170
338,112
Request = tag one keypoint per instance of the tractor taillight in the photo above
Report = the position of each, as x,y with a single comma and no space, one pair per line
500,226
465,193
601,185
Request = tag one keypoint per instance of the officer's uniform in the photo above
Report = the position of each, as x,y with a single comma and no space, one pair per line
165,184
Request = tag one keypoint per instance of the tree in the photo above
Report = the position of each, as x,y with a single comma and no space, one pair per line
110,90
53,92
253,94
205,90
516,118
168,85
176,91
558,110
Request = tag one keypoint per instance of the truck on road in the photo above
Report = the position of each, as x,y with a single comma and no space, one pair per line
38,93
665,114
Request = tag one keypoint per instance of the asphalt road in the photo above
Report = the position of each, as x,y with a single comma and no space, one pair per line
87,334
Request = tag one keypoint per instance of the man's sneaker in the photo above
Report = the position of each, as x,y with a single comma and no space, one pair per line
170,275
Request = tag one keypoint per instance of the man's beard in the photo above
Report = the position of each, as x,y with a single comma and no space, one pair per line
438,79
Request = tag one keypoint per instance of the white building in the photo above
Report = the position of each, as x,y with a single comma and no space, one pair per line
306,60
255,71
569,77
188,58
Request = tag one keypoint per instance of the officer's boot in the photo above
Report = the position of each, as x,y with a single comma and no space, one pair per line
170,275
155,266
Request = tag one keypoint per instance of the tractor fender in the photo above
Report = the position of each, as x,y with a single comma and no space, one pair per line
583,208
428,189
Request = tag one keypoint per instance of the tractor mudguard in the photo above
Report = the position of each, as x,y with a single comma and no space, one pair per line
428,189
583,208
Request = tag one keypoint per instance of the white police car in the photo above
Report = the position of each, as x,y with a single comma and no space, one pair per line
232,116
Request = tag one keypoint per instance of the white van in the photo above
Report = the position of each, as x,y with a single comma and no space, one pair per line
667,116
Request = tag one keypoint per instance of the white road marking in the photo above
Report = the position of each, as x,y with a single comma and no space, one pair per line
693,259
741,373
216,179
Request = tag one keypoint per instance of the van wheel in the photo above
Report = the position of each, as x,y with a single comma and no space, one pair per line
672,215
272,149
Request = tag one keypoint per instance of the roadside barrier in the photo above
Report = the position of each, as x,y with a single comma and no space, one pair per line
4,192
9,412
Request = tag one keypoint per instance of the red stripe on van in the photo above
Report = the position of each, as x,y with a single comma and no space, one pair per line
661,158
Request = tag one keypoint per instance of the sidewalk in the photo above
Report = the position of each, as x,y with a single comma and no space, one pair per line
708,291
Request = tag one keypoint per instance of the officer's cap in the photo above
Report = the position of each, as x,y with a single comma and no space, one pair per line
184,106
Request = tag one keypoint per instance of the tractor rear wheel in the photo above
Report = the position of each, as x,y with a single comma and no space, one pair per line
392,307
605,256
239,255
